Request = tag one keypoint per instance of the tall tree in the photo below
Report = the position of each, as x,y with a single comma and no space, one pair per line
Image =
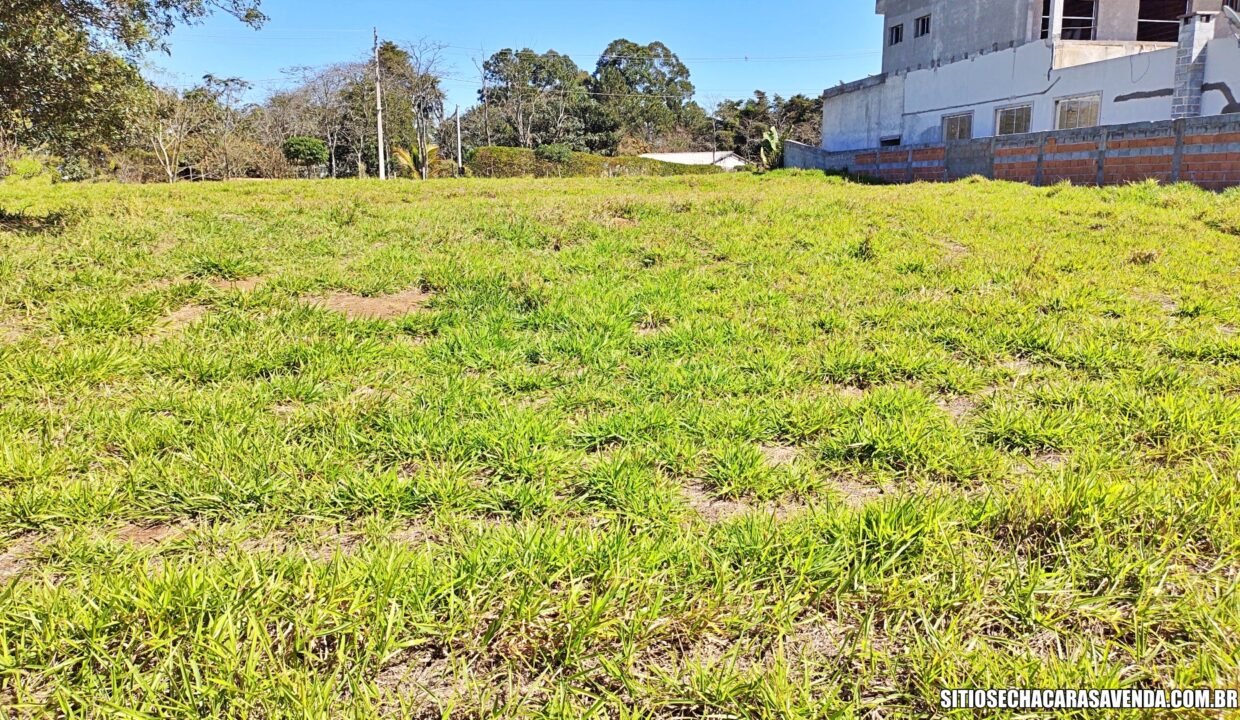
67,74
535,99
645,87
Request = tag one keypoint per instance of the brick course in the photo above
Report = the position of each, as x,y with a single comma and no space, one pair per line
1205,151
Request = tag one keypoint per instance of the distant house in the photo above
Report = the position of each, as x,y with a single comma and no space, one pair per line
729,161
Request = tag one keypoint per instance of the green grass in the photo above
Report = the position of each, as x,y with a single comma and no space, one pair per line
757,446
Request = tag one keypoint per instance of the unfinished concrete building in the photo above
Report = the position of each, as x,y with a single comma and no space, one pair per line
955,70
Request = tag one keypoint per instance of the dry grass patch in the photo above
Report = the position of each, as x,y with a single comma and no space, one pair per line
378,307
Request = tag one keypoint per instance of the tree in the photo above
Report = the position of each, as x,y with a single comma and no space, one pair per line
743,123
167,121
646,88
67,67
536,99
305,151
219,98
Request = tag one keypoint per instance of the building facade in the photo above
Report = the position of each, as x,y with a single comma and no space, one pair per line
957,70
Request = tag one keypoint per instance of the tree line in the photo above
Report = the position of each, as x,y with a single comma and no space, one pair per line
70,88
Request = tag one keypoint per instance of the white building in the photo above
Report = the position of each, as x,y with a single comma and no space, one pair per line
963,69
729,161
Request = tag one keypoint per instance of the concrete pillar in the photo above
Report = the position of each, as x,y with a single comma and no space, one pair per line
1196,30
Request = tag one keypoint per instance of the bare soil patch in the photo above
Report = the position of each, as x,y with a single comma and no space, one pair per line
143,535
711,508
379,307
716,510
957,407
15,558
856,494
850,392
1041,461
1165,302
244,285
179,319
777,455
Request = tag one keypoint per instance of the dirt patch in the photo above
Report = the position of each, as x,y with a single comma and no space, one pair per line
716,510
179,319
1041,461
778,455
711,508
423,675
15,558
1019,367
1165,302
955,249
619,222
10,332
850,392
817,640
379,307
957,407
144,535
856,494
321,546
645,329
243,285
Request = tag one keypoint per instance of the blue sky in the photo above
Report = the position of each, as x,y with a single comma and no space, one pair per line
731,48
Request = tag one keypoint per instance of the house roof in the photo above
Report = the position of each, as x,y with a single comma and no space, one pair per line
695,158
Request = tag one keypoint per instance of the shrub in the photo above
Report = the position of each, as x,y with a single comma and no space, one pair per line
305,151
554,153
501,162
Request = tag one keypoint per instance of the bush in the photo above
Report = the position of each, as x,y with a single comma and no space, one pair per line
554,153
30,167
305,151
501,162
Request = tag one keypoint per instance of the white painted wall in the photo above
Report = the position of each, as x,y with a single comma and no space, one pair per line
861,119
1020,76
1222,67
913,105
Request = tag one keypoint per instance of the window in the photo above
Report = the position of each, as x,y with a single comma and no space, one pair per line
1159,20
1079,19
1077,112
890,141
921,27
895,35
958,127
1014,120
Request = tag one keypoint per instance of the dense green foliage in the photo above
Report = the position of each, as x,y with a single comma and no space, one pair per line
305,151
770,446
508,162
65,82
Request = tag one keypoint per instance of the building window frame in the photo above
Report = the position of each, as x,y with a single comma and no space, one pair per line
921,26
1075,26
1028,119
895,35
957,127
1079,104
1159,20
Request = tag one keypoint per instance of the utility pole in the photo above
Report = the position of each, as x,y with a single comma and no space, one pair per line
460,159
379,111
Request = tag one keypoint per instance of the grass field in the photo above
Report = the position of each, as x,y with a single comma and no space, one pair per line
758,446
